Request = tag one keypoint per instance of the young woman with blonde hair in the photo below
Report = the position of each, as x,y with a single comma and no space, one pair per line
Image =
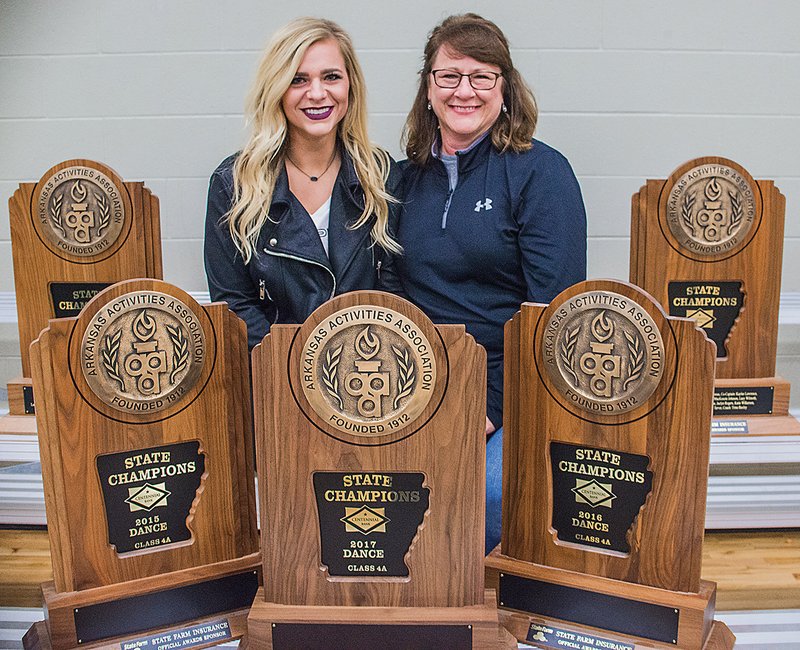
305,211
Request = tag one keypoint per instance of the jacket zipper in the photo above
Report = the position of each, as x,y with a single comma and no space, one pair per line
307,261
446,208
378,268
263,294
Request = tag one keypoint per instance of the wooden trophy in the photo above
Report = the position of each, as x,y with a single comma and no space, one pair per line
605,465
708,243
75,232
370,449
145,438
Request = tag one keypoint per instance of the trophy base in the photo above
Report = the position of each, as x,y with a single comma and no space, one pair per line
190,608
552,608
274,626
20,396
753,407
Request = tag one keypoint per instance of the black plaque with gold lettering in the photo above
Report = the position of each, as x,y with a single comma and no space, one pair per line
148,494
755,400
597,494
70,297
368,520
715,306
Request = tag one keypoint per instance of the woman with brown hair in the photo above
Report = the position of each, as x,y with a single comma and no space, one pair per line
492,218
303,212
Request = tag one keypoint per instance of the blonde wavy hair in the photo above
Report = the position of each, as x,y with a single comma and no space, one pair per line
260,162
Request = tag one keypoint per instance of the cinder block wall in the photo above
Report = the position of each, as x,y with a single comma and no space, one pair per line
627,90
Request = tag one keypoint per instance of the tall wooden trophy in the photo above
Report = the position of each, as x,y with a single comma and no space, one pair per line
370,449
708,242
75,232
605,465
146,446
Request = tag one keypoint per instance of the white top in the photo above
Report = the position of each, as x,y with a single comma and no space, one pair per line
321,218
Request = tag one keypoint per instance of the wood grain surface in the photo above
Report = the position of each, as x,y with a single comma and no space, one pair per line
137,252
752,343
695,610
74,431
445,560
672,428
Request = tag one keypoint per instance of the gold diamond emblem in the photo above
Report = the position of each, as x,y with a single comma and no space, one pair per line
365,520
147,496
593,493
703,317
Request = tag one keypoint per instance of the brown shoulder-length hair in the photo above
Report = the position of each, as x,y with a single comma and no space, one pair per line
471,35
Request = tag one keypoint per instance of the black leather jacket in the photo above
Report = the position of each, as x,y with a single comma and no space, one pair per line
289,275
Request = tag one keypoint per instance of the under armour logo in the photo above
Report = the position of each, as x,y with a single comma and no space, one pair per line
486,205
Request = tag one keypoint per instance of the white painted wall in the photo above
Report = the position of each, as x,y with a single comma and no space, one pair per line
627,90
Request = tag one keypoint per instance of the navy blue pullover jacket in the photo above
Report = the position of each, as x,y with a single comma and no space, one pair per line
512,230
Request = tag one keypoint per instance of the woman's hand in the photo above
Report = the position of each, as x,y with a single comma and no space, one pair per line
490,429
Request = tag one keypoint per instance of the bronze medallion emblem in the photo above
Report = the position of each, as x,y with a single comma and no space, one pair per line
143,351
80,211
603,352
711,209
367,371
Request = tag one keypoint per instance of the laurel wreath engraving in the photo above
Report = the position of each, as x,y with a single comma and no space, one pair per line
329,378
737,211
636,364
55,214
568,351
686,212
180,351
105,216
111,357
407,378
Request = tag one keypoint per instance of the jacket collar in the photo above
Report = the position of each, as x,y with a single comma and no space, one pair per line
294,233
469,157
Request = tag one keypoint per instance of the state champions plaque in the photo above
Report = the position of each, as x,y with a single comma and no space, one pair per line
712,212
366,419
144,434
368,372
605,468
707,243
605,353
76,231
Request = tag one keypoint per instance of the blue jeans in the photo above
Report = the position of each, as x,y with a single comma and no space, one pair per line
494,488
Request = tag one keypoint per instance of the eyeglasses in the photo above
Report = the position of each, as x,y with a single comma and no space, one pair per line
478,80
